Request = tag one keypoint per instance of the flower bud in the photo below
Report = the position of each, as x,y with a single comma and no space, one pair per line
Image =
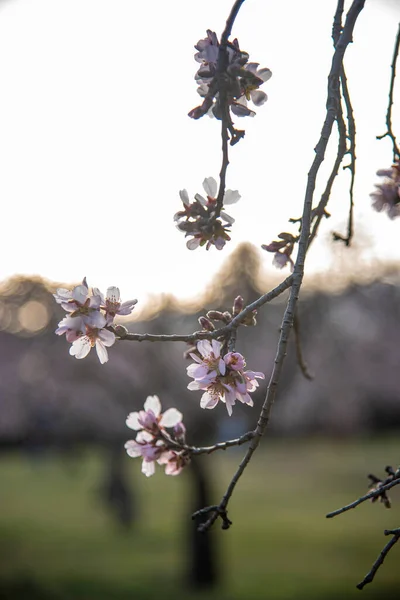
179,432
238,305
120,331
215,315
206,324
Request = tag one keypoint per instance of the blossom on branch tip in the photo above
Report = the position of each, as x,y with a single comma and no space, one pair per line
88,317
221,378
153,443
237,78
387,194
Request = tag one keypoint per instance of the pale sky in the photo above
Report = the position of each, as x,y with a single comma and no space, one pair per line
95,141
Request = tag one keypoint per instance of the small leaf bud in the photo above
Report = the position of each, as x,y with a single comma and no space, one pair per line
238,305
206,324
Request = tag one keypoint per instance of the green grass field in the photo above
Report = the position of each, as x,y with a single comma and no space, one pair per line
58,542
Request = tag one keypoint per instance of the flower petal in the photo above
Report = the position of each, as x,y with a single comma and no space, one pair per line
258,98
132,421
80,293
210,187
101,351
81,347
208,401
171,417
231,197
148,468
132,449
107,337
264,74
153,403
184,196
193,243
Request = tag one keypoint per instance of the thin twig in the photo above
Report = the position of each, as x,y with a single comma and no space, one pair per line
299,353
352,165
369,496
194,450
389,130
333,103
320,211
379,561
226,122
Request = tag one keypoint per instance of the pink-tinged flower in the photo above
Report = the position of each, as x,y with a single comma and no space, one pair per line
209,365
281,259
145,447
73,327
387,194
151,418
241,79
112,304
221,378
199,218
100,338
282,250
235,361
251,91
79,303
173,461
152,442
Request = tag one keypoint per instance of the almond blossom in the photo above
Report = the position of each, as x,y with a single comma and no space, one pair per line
93,337
387,194
79,303
89,315
221,378
199,218
282,249
241,79
152,442
112,305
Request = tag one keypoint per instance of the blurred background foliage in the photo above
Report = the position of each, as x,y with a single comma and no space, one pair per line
78,520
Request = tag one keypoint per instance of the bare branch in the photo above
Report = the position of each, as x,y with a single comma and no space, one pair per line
352,165
373,494
243,439
379,561
207,335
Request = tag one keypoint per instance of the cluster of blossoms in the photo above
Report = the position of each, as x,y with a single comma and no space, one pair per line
282,250
228,67
387,194
88,317
221,378
153,443
199,220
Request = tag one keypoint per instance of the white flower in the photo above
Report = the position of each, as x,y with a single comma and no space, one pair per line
93,337
151,418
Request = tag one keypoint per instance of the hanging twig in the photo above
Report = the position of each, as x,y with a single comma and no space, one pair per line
389,130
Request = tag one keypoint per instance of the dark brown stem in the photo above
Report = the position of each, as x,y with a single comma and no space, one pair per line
389,130
352,165
299,352
379,561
